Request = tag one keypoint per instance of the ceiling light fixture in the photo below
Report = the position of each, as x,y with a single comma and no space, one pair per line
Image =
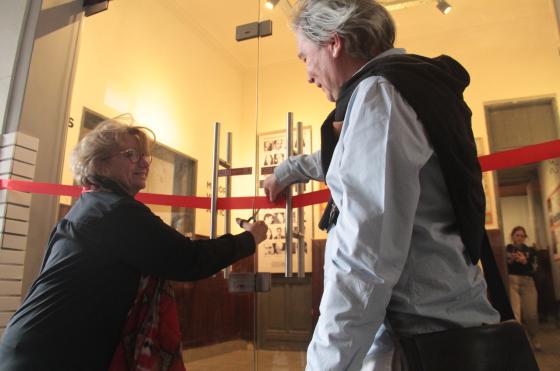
443,6
270,4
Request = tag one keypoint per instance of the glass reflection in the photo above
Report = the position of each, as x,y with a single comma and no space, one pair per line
177,68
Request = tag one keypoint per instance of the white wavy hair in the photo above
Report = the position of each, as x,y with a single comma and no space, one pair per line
366,26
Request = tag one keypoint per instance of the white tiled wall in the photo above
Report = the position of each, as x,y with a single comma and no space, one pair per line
18,153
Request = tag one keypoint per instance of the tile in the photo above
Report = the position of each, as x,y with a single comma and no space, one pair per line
9,303
13,257
10,288
11,272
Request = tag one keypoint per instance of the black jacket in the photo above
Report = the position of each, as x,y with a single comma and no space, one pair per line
73,315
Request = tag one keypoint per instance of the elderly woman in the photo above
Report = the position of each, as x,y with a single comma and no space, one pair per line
74,315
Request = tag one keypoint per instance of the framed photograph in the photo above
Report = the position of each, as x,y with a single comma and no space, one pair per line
272,252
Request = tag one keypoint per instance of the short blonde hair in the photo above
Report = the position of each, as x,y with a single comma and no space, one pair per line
102,143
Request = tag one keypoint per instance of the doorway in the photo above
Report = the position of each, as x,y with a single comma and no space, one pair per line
526,194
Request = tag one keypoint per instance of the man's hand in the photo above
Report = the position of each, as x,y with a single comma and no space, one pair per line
258,230
272,188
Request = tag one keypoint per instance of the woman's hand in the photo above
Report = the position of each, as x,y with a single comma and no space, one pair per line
258,230
272,188
520,257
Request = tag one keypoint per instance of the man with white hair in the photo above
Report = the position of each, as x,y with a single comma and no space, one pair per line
406,218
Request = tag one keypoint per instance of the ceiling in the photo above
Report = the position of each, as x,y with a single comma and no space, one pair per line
216,22
518,175
417,21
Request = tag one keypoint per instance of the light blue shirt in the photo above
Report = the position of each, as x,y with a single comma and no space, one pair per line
394,259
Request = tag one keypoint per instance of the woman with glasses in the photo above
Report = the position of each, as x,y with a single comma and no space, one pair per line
522,264
101,300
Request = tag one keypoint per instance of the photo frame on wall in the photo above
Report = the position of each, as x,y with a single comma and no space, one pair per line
272,252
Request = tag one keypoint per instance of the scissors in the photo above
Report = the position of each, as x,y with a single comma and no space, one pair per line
252,218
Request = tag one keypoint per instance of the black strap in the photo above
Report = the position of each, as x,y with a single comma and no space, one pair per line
329,217
496,287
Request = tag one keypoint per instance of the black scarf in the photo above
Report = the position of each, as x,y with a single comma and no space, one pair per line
434,89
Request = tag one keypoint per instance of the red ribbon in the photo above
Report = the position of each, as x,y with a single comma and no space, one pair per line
495,161
520,156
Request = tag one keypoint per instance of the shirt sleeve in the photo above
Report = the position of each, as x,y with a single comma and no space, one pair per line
141,240
300,169
375,184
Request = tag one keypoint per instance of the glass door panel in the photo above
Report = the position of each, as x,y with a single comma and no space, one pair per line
177,68
288,313
285,315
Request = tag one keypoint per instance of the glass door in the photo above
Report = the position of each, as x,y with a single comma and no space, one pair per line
286,315
180,66
177,68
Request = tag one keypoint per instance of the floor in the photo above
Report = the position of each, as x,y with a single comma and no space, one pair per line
239,359
549,355
243,360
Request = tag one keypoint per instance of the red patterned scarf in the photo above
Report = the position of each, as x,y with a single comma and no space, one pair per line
151,339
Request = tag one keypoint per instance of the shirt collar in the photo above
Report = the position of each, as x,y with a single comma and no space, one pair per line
385,53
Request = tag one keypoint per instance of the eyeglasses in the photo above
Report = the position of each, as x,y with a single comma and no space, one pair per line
134,155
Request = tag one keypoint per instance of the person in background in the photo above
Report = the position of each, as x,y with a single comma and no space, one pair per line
101,300
522,265
406,219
